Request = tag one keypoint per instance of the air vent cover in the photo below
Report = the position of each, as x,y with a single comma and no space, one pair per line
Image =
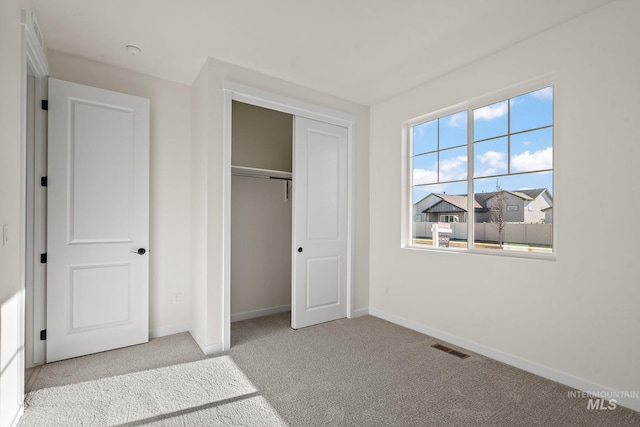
446,349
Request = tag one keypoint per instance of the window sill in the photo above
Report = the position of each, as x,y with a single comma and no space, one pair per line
486,252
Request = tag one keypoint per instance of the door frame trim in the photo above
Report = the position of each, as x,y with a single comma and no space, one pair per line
34,64
260,98
36,217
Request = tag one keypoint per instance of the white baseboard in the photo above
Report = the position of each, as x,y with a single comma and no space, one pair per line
525,365
260,313
168,330
17,416
206,349
359,313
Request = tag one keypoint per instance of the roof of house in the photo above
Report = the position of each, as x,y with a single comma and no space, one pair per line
457,200
480,199
533,193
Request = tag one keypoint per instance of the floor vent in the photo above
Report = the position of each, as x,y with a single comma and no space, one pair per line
450,351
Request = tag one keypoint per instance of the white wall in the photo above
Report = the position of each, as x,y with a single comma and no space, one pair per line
169,204
575,319
11,175
198,214
210,139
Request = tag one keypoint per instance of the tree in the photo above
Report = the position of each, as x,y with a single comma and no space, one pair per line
498,213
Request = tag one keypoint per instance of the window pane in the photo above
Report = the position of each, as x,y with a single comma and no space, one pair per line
532,151
512,176
453,130
490,121
425,137
490,157
453,188
515,182
425,169
453,164
532,110
431,203
519,218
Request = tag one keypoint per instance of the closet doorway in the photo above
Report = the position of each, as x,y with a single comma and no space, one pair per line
287,215
261,211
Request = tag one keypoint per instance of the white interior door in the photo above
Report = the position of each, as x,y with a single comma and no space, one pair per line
98,210
320,224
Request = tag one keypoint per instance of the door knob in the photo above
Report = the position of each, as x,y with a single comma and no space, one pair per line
299,249
140,251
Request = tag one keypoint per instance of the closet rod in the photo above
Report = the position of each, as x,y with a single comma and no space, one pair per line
260,176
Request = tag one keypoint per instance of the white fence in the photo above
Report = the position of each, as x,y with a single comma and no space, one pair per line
535,234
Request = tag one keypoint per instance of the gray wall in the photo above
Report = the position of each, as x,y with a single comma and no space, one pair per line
262,138
260,213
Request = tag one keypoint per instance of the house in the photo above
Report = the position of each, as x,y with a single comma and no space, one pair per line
522,206
548,215
413,59
443,208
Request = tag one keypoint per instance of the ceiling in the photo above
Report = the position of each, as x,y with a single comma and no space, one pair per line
361,50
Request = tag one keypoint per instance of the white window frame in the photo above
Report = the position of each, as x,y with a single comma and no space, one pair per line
471,105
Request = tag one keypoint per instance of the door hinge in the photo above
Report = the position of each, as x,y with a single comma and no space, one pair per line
43,258
43,335
44,181
45,105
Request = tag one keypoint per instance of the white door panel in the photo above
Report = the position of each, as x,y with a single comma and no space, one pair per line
323,282
98,199
320,223
104,133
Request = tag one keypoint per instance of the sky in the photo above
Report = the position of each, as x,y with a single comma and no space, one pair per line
512,147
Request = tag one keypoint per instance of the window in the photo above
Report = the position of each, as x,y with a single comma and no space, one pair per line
499,152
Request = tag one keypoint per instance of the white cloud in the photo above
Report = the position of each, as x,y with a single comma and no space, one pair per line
423,176
453,169
450,170
493,158
527,161
491,112
546,93
458,119
493,161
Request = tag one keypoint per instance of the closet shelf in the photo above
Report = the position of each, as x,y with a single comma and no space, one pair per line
259,173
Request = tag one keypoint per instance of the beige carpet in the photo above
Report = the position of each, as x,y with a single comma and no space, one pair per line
369,372
157,353
360,372
207,392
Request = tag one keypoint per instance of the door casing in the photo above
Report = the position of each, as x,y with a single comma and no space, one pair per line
248,95
36,225
34,64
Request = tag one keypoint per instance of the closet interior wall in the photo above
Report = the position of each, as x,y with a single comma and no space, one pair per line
261,213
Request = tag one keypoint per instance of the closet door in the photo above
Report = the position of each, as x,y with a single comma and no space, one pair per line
320,219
